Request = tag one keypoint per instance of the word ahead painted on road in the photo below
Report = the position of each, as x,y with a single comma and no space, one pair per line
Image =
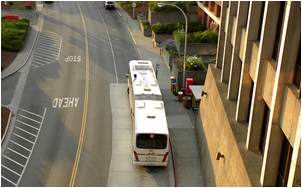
67,102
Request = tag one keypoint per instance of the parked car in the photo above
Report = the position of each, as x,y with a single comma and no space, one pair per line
109,5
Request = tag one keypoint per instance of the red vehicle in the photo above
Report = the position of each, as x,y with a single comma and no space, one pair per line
109,5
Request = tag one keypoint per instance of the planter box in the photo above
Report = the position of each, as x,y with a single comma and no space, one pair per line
158,38
145,31
168,58
196,48
199,77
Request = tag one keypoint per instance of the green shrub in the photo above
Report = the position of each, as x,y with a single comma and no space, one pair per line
167,28
208,36
191,3
192,26
13,34
181,37
146,24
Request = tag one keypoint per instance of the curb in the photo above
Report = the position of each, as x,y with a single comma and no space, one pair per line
25,59
8,122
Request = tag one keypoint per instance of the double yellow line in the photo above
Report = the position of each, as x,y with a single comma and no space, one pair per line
81,139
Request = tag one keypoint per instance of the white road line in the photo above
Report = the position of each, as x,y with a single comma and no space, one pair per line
50,49
51,39
9,180
47,52
40,61
13,161
43,117
20,145
48,46
109,43
46,56
29,118
25,131
10,170
17,153
23,138
39,58
31,113
37,63
27,124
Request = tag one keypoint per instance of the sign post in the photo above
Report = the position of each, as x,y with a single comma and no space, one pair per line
133,6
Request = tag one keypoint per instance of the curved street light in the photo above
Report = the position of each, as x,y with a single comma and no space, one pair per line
185,49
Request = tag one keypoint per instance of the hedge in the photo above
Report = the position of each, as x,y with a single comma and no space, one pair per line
13,33
169,28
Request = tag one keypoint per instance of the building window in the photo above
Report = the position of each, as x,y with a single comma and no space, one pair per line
284,165
264,129
279,31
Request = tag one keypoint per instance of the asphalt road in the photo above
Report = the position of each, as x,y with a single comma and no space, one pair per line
63,131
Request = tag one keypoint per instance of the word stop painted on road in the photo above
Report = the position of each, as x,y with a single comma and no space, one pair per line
65,102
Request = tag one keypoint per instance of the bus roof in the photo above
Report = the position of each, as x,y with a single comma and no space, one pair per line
150,117
143,78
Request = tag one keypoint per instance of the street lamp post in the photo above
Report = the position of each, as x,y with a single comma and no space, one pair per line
185,49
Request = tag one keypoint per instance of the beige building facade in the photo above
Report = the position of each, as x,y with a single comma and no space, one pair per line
249,121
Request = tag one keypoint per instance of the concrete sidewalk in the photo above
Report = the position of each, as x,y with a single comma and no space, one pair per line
181,121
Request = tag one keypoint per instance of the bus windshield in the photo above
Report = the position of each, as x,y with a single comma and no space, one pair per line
151,141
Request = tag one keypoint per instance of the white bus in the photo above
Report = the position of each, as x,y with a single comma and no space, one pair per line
150,128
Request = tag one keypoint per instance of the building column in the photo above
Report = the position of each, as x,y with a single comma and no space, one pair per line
221,39
246,83
228,47
270,19
294,177
288,52
236,63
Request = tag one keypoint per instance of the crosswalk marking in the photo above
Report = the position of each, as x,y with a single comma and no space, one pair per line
17,151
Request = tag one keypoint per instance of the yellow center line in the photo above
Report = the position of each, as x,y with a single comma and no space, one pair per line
77,160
